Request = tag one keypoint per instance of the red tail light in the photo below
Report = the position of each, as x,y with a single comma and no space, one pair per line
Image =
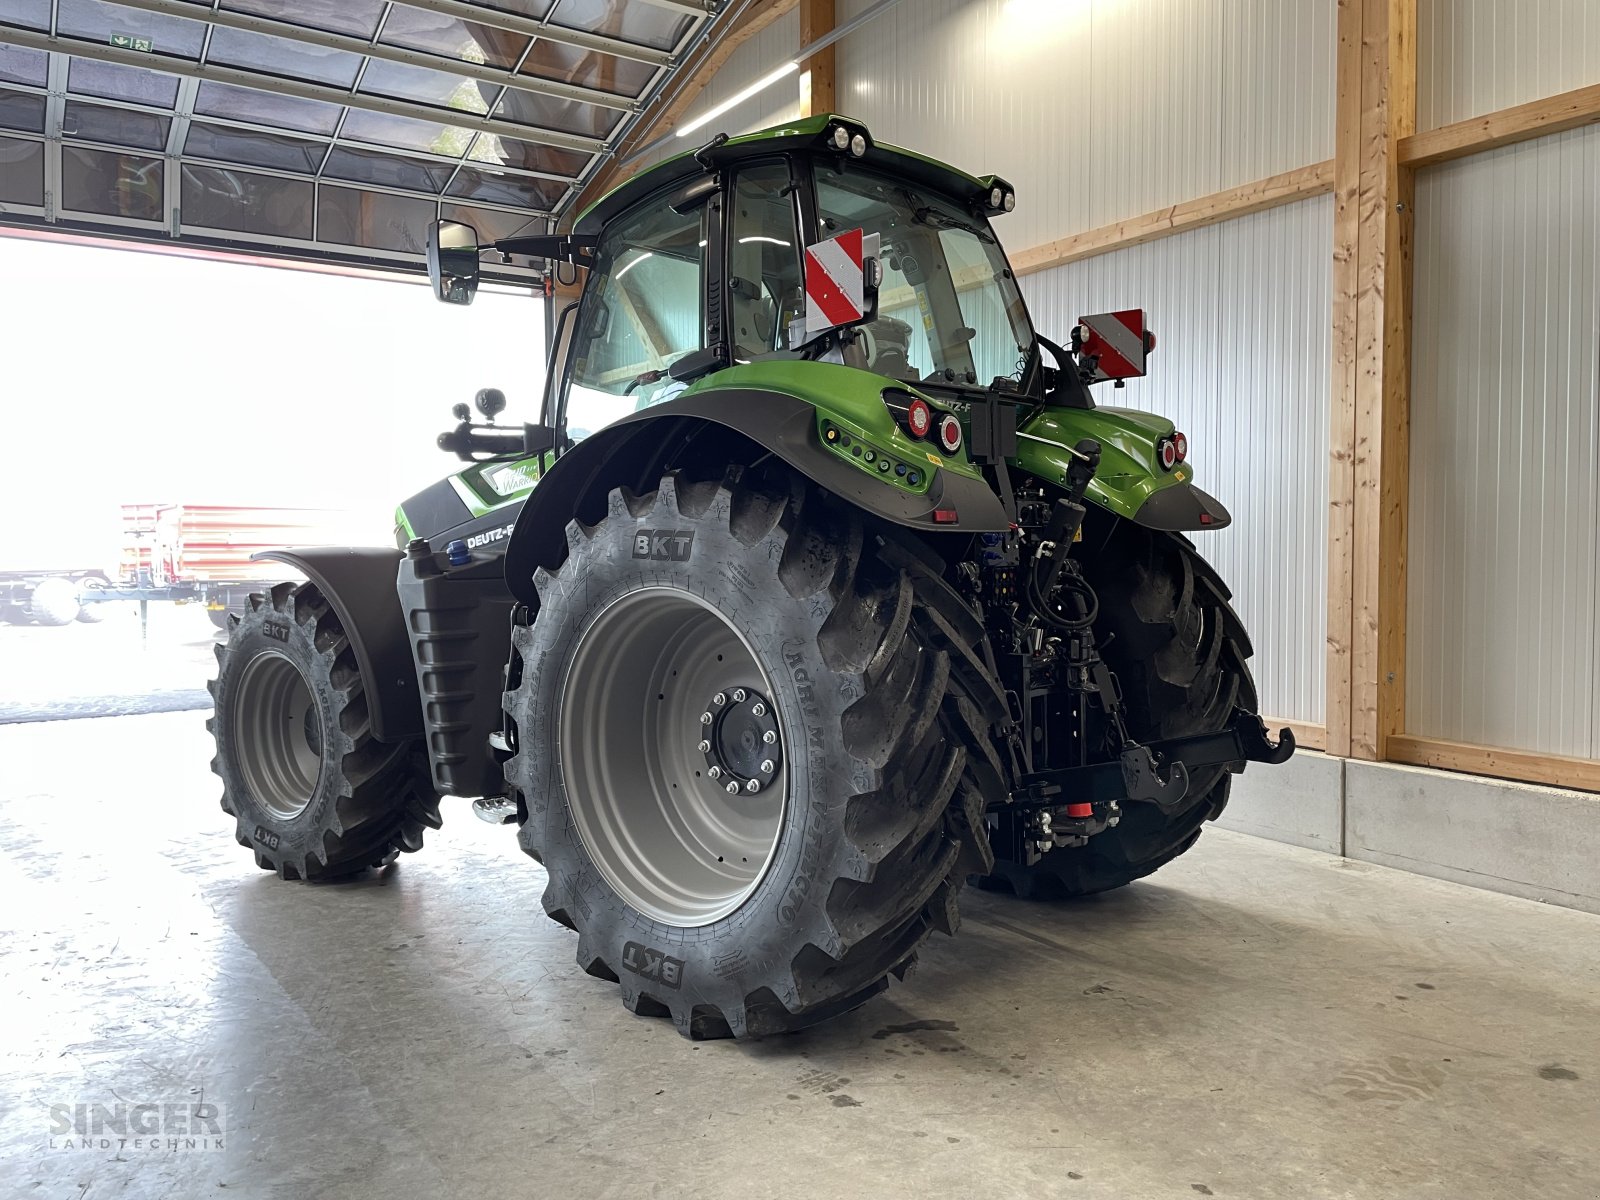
1169,454
1181,444
949,434
919,418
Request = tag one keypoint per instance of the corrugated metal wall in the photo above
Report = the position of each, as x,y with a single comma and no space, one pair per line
1504,563
1476,56
1242,314
1097,109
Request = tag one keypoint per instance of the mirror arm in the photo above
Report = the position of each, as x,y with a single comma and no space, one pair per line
564,247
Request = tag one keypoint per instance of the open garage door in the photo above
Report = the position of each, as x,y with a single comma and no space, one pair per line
325,129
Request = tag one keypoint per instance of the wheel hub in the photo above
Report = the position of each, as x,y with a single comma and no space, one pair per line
740,740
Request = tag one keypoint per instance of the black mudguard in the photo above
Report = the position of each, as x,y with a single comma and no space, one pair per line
359,581
1182,508
635,450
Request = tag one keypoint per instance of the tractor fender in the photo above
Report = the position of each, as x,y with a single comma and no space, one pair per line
360,583
633,451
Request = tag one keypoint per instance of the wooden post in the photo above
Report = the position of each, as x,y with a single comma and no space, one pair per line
817,72
1369,472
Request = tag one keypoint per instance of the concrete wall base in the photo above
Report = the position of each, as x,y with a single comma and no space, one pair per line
1541,843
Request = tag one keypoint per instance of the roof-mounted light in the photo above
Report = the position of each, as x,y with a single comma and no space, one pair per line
858,145
841,137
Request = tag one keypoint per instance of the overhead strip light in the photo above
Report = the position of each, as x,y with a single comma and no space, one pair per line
760,85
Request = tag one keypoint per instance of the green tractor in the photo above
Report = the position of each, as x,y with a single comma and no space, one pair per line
822,588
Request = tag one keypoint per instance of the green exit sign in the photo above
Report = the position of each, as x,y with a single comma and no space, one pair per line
125,41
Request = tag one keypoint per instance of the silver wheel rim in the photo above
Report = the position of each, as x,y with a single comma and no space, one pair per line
275,723
673,841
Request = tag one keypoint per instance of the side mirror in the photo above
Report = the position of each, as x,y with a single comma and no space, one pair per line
491,402
453,261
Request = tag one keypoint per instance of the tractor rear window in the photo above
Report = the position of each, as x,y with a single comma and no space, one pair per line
641,313
949,308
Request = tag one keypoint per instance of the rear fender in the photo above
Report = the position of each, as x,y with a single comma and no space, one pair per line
1130,482
359,582
636,450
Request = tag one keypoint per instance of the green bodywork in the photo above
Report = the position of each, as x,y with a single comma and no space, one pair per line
485,487
1130,466
850,401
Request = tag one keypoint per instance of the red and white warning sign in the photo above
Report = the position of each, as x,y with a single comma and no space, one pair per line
836,284
1119,341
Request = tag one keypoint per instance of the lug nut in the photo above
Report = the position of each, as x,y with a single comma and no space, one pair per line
705,718
753,786
733,787
719,698
769,737
768,766
714,772
704,746
738,695
759,709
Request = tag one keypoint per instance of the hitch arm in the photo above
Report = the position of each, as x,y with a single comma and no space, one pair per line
1137,774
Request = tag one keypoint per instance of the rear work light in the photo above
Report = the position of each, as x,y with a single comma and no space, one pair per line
949,433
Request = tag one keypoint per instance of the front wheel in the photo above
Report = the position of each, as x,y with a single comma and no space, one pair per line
741,757
314,794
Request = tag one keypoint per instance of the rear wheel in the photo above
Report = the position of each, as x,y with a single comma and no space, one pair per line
742,757
315,795
93,614
1179,651
54,602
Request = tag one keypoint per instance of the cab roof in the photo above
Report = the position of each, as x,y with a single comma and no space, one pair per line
808,134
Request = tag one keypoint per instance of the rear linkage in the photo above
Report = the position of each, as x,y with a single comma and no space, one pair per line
1065,806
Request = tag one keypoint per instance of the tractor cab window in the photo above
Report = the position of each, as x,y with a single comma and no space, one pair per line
765,291
641,312
948,309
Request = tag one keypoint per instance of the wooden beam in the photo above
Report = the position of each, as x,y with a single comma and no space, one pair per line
694,76
1369,469
1554,769
1538,118
1262,194
1342,394
816,72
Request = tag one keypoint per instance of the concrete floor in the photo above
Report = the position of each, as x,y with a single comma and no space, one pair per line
1261,1021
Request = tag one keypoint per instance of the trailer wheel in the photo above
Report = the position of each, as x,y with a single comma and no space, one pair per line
742,755
93,614
54,602
1179,652
315,795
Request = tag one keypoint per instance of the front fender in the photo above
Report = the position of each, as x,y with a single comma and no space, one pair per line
781,424
1130,481
360,583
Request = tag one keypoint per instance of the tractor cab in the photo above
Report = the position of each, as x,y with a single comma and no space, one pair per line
806,243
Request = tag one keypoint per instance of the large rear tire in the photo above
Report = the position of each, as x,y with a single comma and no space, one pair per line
681,630
1180,653
315,795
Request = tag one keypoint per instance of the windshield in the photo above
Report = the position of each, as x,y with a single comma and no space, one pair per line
949,309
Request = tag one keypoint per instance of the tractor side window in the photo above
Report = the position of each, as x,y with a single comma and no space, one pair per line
765,290
641,312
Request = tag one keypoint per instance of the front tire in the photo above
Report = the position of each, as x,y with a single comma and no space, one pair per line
315,795
711,600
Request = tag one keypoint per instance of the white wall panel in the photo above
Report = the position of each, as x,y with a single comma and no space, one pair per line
1241,311
1476,56
1097,109
1501,643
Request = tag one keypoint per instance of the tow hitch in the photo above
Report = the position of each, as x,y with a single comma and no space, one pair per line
1155,772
